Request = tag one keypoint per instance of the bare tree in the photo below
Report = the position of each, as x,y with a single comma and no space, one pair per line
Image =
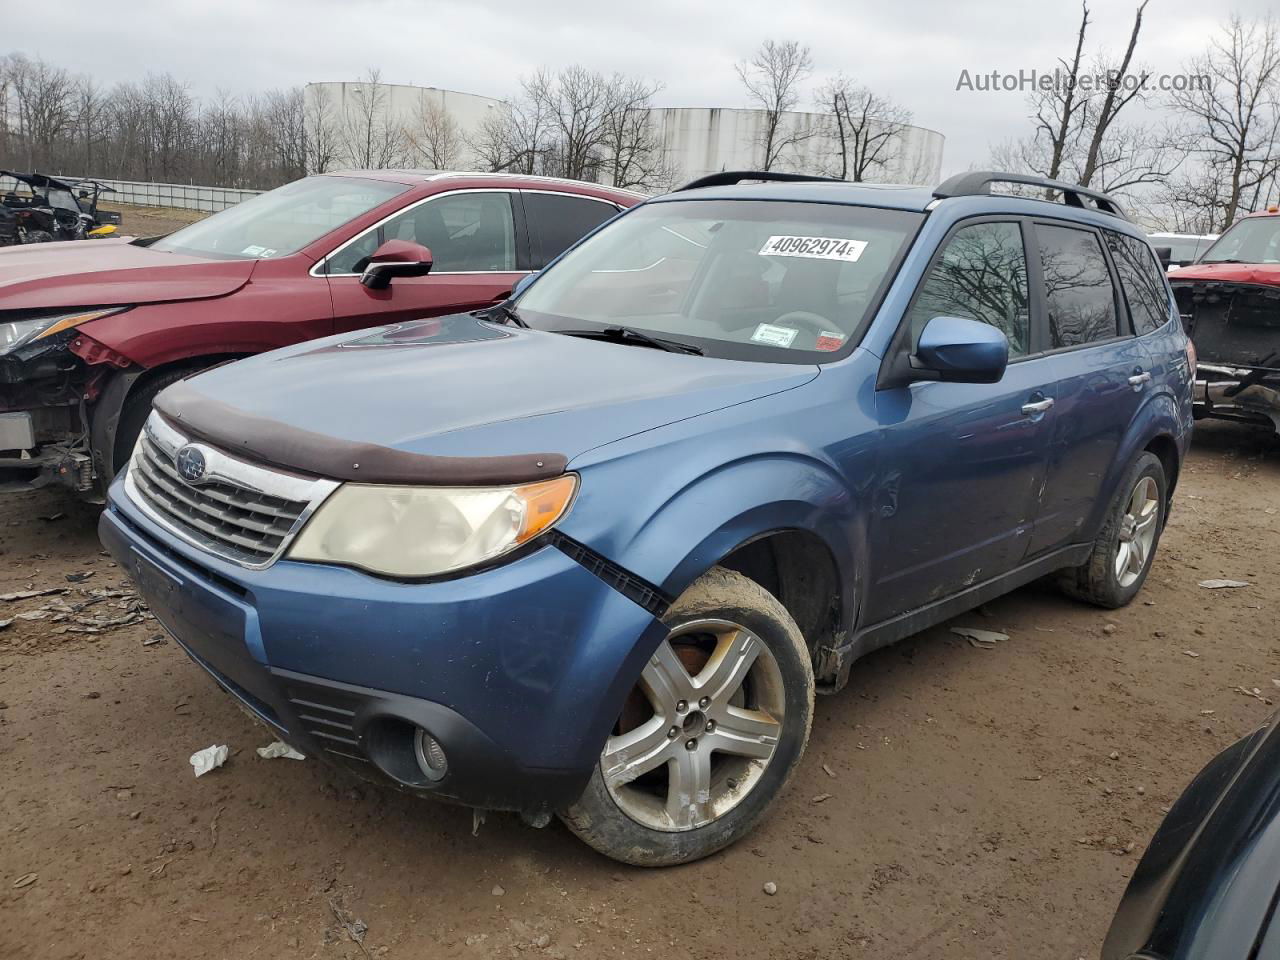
1234,115
432,137
371,139
632,147
773,77
320,130
1119,94
867,128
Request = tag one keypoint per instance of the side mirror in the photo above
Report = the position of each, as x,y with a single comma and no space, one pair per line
959,350
396,258
1165,256
522,284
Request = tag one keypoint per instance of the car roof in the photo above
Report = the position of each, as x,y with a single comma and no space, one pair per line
889,195
414,177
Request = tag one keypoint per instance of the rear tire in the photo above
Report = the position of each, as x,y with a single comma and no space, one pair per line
1126,545
715,728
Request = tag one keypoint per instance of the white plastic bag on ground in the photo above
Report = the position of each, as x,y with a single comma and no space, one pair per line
210,758
279,748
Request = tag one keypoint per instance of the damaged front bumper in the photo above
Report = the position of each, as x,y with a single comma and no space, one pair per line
46,395
1238,393
1235,327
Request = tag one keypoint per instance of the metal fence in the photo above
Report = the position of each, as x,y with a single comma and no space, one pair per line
183,196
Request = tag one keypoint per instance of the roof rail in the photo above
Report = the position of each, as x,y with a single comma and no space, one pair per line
727,178
979,182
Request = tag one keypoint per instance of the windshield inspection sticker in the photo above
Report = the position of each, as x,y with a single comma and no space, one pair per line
814,248
829,340
767,333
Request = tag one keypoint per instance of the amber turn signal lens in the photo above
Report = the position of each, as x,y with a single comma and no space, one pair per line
545,503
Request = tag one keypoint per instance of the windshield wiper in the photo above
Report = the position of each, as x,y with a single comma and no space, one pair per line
629,335
505,312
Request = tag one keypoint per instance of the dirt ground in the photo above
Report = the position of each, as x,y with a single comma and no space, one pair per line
151,221
954,802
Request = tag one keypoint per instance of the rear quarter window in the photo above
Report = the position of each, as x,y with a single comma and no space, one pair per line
1142,280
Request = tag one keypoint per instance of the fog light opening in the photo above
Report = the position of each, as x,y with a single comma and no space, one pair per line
431,756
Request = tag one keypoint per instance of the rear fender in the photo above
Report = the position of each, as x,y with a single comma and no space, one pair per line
1156,418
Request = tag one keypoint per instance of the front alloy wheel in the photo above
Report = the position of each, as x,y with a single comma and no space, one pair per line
714,727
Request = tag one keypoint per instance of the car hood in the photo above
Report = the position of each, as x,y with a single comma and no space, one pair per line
455,388
100,273
1267,274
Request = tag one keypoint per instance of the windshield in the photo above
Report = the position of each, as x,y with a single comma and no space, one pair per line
282,221
743,279
1255,240
1180,248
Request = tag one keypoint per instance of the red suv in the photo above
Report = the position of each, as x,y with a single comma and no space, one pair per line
90,333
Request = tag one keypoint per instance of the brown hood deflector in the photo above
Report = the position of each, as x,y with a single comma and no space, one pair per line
248,435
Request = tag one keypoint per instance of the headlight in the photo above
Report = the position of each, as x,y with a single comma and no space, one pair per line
18,333
428,531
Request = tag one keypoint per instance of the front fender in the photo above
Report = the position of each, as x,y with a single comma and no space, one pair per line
672,532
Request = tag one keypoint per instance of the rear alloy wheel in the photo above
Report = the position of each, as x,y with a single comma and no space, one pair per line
711,733
1123,551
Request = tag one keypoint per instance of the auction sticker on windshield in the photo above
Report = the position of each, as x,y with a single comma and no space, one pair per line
815,248
774,336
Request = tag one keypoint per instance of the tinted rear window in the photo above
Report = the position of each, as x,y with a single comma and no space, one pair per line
1077,285
561,221
1142,281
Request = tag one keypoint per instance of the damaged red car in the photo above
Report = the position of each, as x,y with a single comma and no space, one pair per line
1230,306
90,333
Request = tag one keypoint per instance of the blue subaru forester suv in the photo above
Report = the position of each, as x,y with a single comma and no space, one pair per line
591,552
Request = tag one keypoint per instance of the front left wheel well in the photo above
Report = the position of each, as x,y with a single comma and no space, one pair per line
800,571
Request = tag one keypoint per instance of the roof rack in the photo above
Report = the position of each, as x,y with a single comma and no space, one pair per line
727,178
977,182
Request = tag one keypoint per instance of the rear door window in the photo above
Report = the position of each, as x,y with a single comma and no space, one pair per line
981,275
1142,281
560,220
1079,294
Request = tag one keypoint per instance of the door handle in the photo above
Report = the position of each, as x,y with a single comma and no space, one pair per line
1037,406
1138,379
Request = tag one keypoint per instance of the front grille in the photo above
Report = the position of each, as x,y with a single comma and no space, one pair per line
241,511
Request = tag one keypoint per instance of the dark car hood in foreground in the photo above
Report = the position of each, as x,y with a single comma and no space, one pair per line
1207,887
458,387
103,273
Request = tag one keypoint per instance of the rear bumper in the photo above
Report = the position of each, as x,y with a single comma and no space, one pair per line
519,671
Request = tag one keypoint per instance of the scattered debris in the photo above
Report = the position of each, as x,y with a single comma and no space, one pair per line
980,639
1255,693
477,818
1114,754
52,517
832,774
1109,629
1210,713
1223,584
79,577
28,594
158,638
1142,791
355,929
822,797
279,748
26,880
210,758
213,826
1192,654
1033,778
770,888
497,890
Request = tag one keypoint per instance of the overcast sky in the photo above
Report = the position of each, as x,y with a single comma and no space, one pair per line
911,50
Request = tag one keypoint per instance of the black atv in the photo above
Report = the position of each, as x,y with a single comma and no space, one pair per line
39,209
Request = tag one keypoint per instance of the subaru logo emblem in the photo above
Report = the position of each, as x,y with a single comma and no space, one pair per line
190,464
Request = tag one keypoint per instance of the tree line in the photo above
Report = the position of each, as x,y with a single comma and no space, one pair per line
573,122
1193,158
